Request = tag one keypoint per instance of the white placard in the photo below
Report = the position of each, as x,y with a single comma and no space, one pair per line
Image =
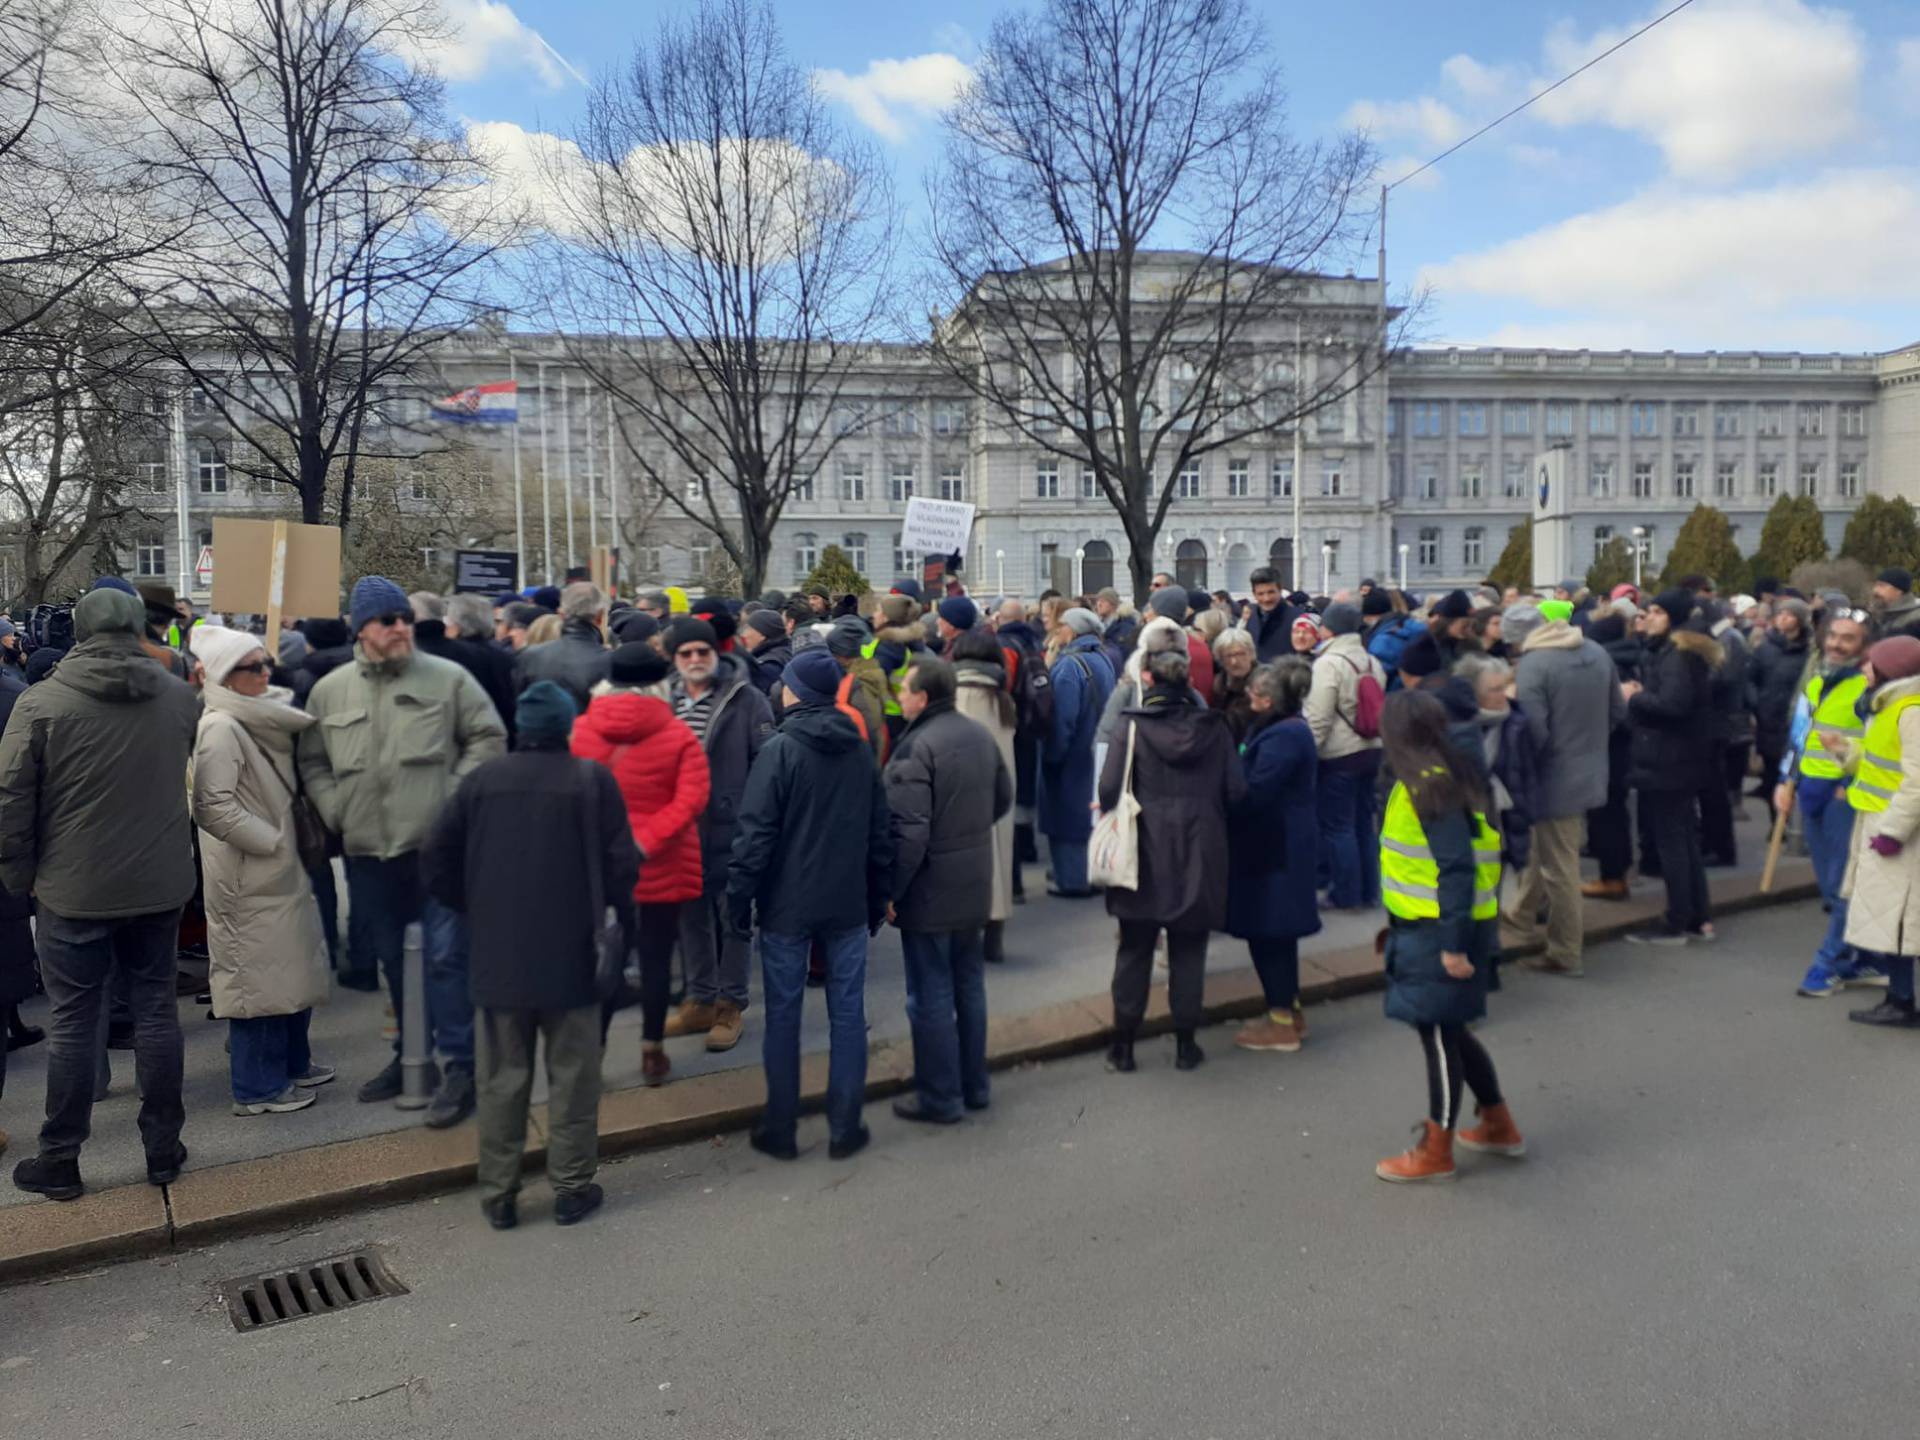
936,527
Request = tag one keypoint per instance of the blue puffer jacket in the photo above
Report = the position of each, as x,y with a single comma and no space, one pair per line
1419,990
1082,680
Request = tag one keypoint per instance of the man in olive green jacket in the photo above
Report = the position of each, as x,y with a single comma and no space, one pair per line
398,731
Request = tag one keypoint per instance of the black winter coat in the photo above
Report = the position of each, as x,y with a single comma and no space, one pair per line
1773,684
511,849
1672,719
1186,776
482,659
576,662
318,664
1272,631
736,732
813,844
1623,647
946,786
1732,705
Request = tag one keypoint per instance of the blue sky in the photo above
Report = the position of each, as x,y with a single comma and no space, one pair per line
1747,175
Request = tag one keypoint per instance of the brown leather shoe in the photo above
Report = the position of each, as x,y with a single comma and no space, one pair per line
725,1031
1431,1158
1605,889
1267,1033
695,1017
654,1067
1496,1134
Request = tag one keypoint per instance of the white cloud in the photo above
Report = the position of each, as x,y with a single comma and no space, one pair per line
890,93
1434,123
485,36
1476,81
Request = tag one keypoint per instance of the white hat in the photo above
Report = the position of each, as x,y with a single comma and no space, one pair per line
220,649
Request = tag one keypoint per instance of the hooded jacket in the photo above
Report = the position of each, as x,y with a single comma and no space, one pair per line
93,785
662,774
1672,716
1567,688
947,786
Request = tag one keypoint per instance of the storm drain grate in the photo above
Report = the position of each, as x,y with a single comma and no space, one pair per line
317,1287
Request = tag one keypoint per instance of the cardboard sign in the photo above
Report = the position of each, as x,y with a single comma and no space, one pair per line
249,552
936,527
485,572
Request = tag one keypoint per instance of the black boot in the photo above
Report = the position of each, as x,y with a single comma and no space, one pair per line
1187,1053
995,947
1120,1053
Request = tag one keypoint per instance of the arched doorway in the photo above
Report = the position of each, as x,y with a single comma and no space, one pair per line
1096,566
1190,564
1239,568
1280,557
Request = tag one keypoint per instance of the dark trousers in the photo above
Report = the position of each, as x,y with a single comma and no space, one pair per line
1349,838
1453,1056
383,898
1771,753
504,1049
1609,830
1133,974
75,959
947,1011
783,974
327,895
1277,963
656,928
1719,788
1676,841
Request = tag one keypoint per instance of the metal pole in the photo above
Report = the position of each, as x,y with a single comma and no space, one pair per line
613,503
593,490
1380,417
183,522
546,489
1403,567
416,1051
566,470
519,497
1326,563
1299,454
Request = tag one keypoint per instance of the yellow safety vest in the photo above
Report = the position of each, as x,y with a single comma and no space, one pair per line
1832,710
1873,785
1410,876
894,680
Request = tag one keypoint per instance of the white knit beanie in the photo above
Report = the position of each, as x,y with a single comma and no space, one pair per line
219,649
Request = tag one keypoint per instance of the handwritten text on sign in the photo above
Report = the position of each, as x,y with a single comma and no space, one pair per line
936,527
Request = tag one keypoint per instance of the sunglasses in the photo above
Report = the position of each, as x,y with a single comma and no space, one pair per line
252,667
693,652
1859,617
396,617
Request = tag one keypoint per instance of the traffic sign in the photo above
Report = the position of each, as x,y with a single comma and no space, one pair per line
203,571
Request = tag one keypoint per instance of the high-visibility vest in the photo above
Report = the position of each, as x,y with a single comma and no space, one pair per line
1873,785
895,679
1410,876
1832,710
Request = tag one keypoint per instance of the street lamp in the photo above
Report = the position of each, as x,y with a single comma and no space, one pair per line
1326,565
1079,571
1639,552
1403,566
1000,559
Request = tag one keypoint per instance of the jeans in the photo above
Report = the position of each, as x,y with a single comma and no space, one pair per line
75,958
1344,792
947,1010
1069,865
716,959
383,898
267,1054
1829,831
1277,963
783,970
1676,839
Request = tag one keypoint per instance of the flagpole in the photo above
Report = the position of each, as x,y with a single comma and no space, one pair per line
546,488
519,497
593,493
566,470
613,502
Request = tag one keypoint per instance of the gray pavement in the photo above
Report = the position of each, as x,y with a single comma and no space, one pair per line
1715,1236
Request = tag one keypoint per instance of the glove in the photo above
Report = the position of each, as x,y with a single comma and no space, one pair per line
1886,845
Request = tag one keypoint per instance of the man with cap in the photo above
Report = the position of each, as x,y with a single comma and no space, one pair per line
1893,597
398,732
1082,679
521,825
820,601
164,636
1349,761
813,856
862,688
1670,712
957,615
94,826
714,696
769,646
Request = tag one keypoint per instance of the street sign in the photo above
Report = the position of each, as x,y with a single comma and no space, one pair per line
203,570
485,572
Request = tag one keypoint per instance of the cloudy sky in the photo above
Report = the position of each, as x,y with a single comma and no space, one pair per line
1747,175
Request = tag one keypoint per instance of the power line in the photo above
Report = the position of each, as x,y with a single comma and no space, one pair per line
1542,94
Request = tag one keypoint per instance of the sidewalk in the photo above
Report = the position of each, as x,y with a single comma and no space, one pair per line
1049,999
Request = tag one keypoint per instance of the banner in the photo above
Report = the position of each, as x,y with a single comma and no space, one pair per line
495,404
936,527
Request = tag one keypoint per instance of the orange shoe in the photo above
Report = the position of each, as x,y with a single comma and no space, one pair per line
1431,1158
1496,1134
1606,890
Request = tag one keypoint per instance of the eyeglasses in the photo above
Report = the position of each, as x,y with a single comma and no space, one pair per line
252,667
396,617
693,652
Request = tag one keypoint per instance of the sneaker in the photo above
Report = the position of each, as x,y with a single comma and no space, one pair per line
1819,983
693,1018
1267,1033
289,1099
725,1031
453,1101
1899,1014
1704,934
1864,976
1660,936
570,1207
55,1179
314,1075
386,1085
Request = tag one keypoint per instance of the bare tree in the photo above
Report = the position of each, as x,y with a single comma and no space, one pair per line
1126,231
336,233
735,244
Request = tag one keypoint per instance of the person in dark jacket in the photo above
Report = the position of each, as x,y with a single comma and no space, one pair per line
577,661
458,628
94,826
1443,929
536,822
769,648
1271,838
1025,650
1494,736
813,855
1670,715
1081,681
947,787
1776,671
1271,623
19,967
1610,825
1186,777
1732,735
329,646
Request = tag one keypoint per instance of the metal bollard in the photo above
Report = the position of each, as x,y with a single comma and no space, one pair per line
416,1050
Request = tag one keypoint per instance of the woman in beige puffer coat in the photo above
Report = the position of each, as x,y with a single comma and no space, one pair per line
269,954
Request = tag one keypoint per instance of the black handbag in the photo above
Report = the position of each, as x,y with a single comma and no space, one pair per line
310,834
610,939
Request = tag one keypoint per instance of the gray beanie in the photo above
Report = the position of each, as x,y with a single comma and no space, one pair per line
1522,618
1170,601
1085,622
1341,619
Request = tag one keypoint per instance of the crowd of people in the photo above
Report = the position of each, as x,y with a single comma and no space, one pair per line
701,780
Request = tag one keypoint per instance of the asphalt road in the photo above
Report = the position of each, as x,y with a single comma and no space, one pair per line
1716,1235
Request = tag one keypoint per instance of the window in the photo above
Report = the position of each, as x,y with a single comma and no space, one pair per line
853,482
848,418
648,560
950,418
1686,420
1516,417
152,475
1096,566
1813,421
902,420
803,490
1810,478
1393,418
1729,421
696,487
1473,418
1645,420
953,481
1770,421
1602,534
855,544
806,553
414,487
1513,480
1046,480
1603,418
1849,488
1396,475
1683,471
1236,479
212,467
1853,421
1600,478
1645,544
1472,482
901,564
1089,483
1189,481
1473,548
900,482
1726,480
150,556
1330,549
1180,395
199,402
1643,479
1428,483
1331,479
1428,417
1190,564
1559,417
1428,553
1769,480
1331,418
157,401
697,557
1282,477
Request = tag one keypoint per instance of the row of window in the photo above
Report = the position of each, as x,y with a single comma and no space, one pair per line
1686,419
1644,483
1096,559
1473,545
1191,481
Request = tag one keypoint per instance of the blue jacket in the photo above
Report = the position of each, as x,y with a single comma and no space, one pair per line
1419,990
1082,680
1389,642
1271,837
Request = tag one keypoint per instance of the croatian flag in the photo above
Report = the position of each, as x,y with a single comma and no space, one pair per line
495,404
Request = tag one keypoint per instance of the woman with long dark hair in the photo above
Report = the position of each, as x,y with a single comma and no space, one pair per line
1440,881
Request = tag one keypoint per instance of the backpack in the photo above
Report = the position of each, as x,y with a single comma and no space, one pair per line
1369,702
1032,689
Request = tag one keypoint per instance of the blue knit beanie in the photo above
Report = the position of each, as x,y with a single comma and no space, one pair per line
114,582
959,612
544,716
813,675
374,596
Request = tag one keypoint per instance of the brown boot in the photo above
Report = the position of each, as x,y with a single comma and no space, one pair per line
1606,889
654,1066
694,1017
1496,1134
725,1032
1267,1033
1431,1158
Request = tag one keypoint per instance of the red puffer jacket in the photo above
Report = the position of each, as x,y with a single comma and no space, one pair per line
662,774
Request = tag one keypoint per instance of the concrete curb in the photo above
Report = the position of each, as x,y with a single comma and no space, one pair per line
249,1195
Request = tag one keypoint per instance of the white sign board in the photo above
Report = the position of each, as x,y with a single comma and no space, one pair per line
936,527
203,571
